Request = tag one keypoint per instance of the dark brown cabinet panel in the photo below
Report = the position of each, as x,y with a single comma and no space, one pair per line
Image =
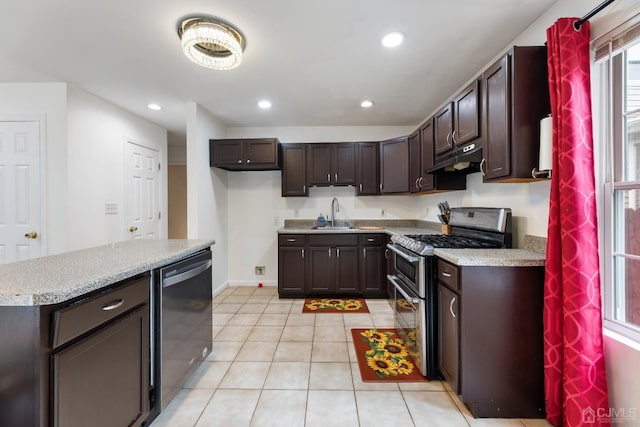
346,269
245,154
291,264
443,127
103,380
333,264
415,162
394,166
515,99
367,168
497,318
372,265
426,182
320,274
466,114
331,164
294,170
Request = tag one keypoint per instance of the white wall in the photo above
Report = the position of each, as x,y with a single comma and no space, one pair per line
207,194
49,100
97,134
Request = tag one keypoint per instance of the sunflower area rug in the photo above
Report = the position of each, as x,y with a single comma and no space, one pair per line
335,305
383,356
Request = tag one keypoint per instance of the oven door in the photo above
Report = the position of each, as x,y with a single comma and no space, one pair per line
410,267
409,321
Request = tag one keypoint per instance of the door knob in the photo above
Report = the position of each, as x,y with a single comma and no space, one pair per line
32,235
133,228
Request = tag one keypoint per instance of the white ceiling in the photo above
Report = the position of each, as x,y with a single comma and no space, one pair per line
315,60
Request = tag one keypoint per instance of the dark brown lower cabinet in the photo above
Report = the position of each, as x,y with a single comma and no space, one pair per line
373,266
494,313
103,380
333,264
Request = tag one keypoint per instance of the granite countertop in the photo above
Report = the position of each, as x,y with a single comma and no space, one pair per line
492,257
392,226
57,278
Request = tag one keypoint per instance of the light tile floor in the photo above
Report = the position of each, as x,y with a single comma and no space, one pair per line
272,365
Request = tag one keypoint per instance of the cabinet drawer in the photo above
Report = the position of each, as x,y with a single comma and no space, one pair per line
448,274
333,240
292,240
372,239
72,321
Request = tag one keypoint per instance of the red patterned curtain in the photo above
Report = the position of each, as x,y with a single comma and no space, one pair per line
575,379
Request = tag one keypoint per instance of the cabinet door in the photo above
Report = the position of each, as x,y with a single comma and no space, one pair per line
103,380
448,336
319,164
443,127
414,162
260,153
225,152
466,109
320,274
344,163
496,86
372,266
368,169
291,270
427,158
394,166
294,170
346,269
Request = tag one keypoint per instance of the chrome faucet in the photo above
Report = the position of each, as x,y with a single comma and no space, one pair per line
335,207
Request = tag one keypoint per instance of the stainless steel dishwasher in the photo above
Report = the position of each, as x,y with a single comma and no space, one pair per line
185,324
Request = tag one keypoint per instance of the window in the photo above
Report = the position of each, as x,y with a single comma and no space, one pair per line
621,71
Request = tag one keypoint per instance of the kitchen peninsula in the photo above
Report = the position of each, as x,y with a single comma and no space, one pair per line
84,320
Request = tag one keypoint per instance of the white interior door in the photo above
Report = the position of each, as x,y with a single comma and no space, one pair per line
20,222
142,190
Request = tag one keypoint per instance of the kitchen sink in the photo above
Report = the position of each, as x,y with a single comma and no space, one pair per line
332,227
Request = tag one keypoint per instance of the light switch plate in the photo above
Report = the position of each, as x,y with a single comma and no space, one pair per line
110,208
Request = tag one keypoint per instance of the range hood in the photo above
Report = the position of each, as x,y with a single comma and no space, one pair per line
463,160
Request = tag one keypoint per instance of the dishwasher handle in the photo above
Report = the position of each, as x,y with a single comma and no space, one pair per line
171,278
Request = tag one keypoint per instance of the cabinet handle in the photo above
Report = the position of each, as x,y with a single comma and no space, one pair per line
335,175
328,177
453,136
386,253
113,305
329,252
483,162
453,300
338,253
240,161
420,183
302,253
417,182
304,188
364,252
371,240
449,139
248,160
361,188
381,187
291,240
445,274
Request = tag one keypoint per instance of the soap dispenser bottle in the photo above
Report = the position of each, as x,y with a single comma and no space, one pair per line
321,221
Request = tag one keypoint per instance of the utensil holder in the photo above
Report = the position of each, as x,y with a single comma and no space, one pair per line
446,229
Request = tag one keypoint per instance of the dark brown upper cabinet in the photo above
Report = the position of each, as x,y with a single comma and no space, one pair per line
245,154
458,122
394,165
426,182
515,99
367,168
294,170
331,164
415,162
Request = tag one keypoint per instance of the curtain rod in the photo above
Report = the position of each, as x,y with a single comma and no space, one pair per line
591,14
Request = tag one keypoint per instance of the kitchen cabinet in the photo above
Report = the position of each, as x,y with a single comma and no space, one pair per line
458,122
331,164
333,264
394,165
515,99
245,154
291,264
372,265
496,314
415,161
367,168
294,170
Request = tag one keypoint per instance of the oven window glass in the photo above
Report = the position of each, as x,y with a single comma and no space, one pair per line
407,269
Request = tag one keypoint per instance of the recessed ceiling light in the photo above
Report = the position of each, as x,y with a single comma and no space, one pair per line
392,39
366,104
264,104
154,107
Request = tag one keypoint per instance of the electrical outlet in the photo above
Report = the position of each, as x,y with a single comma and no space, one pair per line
276,221
383,212
296,213
260,270
110,208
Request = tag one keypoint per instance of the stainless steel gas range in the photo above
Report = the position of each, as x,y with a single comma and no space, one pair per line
415,277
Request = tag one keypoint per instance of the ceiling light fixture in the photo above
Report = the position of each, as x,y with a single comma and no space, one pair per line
392,39
366,104
264,104
211,43
154,107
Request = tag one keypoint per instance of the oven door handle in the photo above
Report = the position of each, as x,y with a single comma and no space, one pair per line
411,259
398,287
